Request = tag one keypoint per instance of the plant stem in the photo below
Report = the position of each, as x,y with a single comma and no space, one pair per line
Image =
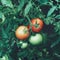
29,21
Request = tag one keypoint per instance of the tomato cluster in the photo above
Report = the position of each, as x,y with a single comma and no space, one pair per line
22,32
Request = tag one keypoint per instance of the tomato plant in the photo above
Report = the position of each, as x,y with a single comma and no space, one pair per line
37,39
22,32
43,18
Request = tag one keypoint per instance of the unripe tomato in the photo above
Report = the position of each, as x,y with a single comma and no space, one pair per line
5,57
22,32
24,45
37,25
35,40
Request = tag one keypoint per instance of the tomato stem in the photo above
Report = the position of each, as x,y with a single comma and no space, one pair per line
29,21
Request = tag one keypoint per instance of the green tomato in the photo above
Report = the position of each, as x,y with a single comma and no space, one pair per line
35,40
5,57
24,45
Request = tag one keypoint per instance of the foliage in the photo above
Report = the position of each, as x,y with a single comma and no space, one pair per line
14,13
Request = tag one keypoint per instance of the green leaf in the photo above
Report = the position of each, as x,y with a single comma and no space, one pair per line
1,44
51,10
27,9
22,2
57,0
49,20
57,26
13,42
7,3
43,1
2,17
55,43
58,17
4,35
8,28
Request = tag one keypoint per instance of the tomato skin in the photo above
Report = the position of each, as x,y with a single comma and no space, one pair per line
35,40
22,32
40,25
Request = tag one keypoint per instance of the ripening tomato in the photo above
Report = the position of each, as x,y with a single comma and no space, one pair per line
22,32
37,25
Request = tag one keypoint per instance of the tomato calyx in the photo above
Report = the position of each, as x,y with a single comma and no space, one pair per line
25,31
37,25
